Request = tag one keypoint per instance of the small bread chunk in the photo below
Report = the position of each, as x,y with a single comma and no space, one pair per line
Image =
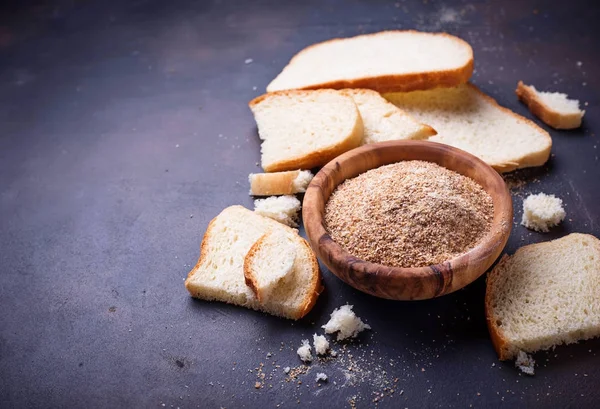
554,108
384,121
525,363
279,183
542,211
345,323
321,344
219,273
468,119
385,61
304,351
283,209
305,129
544,295
321,377
269,261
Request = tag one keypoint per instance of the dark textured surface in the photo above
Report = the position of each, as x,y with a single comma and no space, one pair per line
121,120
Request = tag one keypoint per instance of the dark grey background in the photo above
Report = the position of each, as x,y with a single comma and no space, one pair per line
124,129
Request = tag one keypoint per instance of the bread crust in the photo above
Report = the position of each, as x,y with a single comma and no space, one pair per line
317,157
278,183
525,161
395,83
249,277
203,250
550,117
499,342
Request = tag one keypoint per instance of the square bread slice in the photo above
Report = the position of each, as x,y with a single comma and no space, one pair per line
219,273
386,61
384,121
545,294
269,262
554,108
468,119
305,129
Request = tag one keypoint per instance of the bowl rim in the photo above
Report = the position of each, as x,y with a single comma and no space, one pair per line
331,251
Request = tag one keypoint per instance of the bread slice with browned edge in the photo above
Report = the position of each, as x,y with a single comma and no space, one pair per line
279,183
387,61
384,121
544,295
219,273
554,108
305,129
270,262
468,119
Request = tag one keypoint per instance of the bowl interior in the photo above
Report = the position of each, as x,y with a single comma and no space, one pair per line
406,283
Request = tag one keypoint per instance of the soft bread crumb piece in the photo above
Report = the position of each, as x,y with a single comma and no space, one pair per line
345,323
333,353
542,211
287,369
525,363
302,180
321,344
321,377
283,209
304,351
559,102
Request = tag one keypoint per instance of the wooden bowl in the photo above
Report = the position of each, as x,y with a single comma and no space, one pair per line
406,283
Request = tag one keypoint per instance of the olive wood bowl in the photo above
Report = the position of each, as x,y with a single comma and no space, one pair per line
406,283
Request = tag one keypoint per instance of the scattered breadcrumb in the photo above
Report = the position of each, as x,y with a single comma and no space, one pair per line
525,363
286,369
345,323
321,344
321,377
304,351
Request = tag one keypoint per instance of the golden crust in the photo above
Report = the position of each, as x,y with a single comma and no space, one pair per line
552,118
499,342
277,183
249,276
203,250
396,83
318,157
525,161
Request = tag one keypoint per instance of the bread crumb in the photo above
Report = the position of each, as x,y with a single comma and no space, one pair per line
542,211
345,323
321,344
304,351
525,363
248,61
286,369
321,377
283,209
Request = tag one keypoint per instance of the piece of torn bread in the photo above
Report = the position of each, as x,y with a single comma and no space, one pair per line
283,209
305,129
270,261
544,295
386,61
553,108
219,273
468,119
279,183
384,121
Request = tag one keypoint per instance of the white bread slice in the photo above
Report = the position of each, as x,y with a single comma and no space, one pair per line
219,273
386,61
305,129
384,121
470,120
279,183
544,295
554,108
283,209
269,261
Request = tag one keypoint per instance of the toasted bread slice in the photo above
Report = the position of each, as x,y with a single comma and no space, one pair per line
270,261
545,295
384,121
554,108
387,61
219,273
468,119
305,129
279,183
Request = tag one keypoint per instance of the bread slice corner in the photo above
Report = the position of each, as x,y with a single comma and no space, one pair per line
553,108
544,295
